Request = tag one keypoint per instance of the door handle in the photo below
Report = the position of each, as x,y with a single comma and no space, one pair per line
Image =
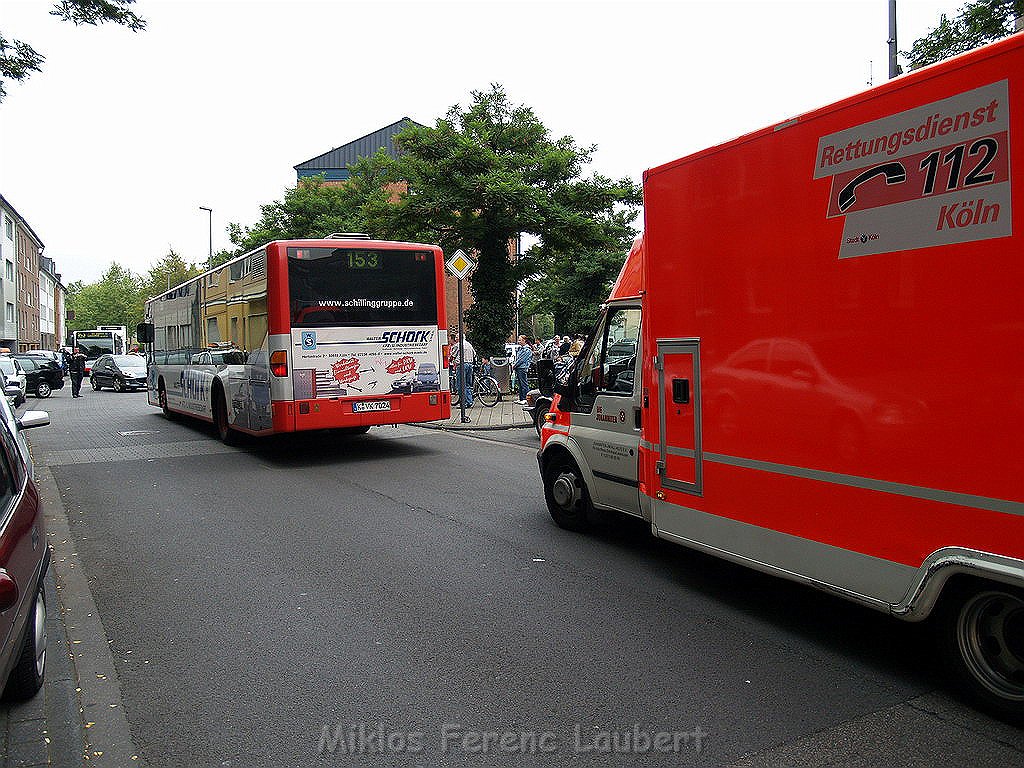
681,391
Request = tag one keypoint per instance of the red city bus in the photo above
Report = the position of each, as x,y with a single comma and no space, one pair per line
340,333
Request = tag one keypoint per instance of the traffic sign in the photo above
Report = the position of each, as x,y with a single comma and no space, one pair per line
460,264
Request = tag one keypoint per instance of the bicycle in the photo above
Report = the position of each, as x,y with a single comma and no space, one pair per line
485,388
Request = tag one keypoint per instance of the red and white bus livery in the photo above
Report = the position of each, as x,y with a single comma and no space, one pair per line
341,333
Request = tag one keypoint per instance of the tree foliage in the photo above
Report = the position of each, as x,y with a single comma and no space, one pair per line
112,300
479,178
311,209
18,60
979,22
476,180
170,271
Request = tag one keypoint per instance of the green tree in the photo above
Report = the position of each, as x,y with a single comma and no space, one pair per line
18,60
979,22
170,271
573,289
112,300
481,176
311,209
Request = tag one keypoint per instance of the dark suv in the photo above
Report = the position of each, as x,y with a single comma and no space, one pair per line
42,375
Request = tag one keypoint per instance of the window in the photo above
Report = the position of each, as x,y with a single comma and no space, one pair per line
339,286
10,228
10,271
609,363
10,312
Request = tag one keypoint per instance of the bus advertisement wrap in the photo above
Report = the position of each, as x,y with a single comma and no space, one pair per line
344,362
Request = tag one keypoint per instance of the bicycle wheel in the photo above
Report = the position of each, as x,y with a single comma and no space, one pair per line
488,392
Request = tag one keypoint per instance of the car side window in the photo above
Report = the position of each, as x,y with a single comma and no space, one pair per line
8,487
11,479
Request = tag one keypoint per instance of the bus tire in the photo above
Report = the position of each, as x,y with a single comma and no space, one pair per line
566,494
161,394
981,639
227,435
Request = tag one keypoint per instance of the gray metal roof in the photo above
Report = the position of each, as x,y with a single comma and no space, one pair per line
345,156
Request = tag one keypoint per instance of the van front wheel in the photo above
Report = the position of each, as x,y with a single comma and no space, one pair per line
566,495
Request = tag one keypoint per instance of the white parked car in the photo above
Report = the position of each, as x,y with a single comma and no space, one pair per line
12,370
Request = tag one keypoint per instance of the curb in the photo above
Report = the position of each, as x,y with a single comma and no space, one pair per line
101,712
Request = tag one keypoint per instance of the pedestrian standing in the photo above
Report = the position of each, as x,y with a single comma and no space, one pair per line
466,372
524,356
77,368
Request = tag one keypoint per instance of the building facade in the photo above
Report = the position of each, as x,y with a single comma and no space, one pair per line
8,277
49,289
32,297
29,249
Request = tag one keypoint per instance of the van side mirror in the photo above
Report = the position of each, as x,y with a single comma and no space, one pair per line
145,333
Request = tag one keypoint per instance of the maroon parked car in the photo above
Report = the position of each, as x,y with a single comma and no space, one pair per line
24,558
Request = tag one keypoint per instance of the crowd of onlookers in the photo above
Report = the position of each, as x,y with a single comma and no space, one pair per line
562,351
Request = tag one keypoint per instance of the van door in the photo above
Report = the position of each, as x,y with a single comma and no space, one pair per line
606,410
680,459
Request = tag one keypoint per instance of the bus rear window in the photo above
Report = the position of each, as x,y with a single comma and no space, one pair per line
361,286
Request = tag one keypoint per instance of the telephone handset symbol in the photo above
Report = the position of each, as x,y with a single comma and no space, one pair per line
894,173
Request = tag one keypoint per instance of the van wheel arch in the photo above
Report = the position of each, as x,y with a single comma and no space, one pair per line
566,492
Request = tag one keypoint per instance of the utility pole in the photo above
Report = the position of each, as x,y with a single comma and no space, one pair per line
209,263
894,67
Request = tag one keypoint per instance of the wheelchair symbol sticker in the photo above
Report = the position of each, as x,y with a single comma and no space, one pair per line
309,339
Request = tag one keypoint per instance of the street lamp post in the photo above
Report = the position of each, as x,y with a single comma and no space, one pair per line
209,211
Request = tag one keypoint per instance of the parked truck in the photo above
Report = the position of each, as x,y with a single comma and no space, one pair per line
812,362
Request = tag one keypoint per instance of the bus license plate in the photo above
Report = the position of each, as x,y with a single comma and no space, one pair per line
372,405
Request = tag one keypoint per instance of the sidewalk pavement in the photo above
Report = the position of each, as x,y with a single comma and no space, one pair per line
78,717
507,414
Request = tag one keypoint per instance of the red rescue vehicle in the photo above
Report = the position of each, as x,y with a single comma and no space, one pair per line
813,362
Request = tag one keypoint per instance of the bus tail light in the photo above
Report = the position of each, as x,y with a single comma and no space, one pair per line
444,354
279,363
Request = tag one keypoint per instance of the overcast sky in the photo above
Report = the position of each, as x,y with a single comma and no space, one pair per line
111,149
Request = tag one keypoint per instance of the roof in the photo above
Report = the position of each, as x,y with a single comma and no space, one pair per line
336,163
7,204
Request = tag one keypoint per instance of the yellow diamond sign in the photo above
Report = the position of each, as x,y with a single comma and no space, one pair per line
460,265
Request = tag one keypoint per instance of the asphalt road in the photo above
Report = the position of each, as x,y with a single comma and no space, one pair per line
402,598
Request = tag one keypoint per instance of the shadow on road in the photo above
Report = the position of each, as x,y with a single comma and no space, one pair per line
901,650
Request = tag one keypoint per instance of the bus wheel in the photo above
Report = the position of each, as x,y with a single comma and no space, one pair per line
566,495
162,397
227,435
982,639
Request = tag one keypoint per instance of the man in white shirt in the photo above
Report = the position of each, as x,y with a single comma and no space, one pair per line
465,369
